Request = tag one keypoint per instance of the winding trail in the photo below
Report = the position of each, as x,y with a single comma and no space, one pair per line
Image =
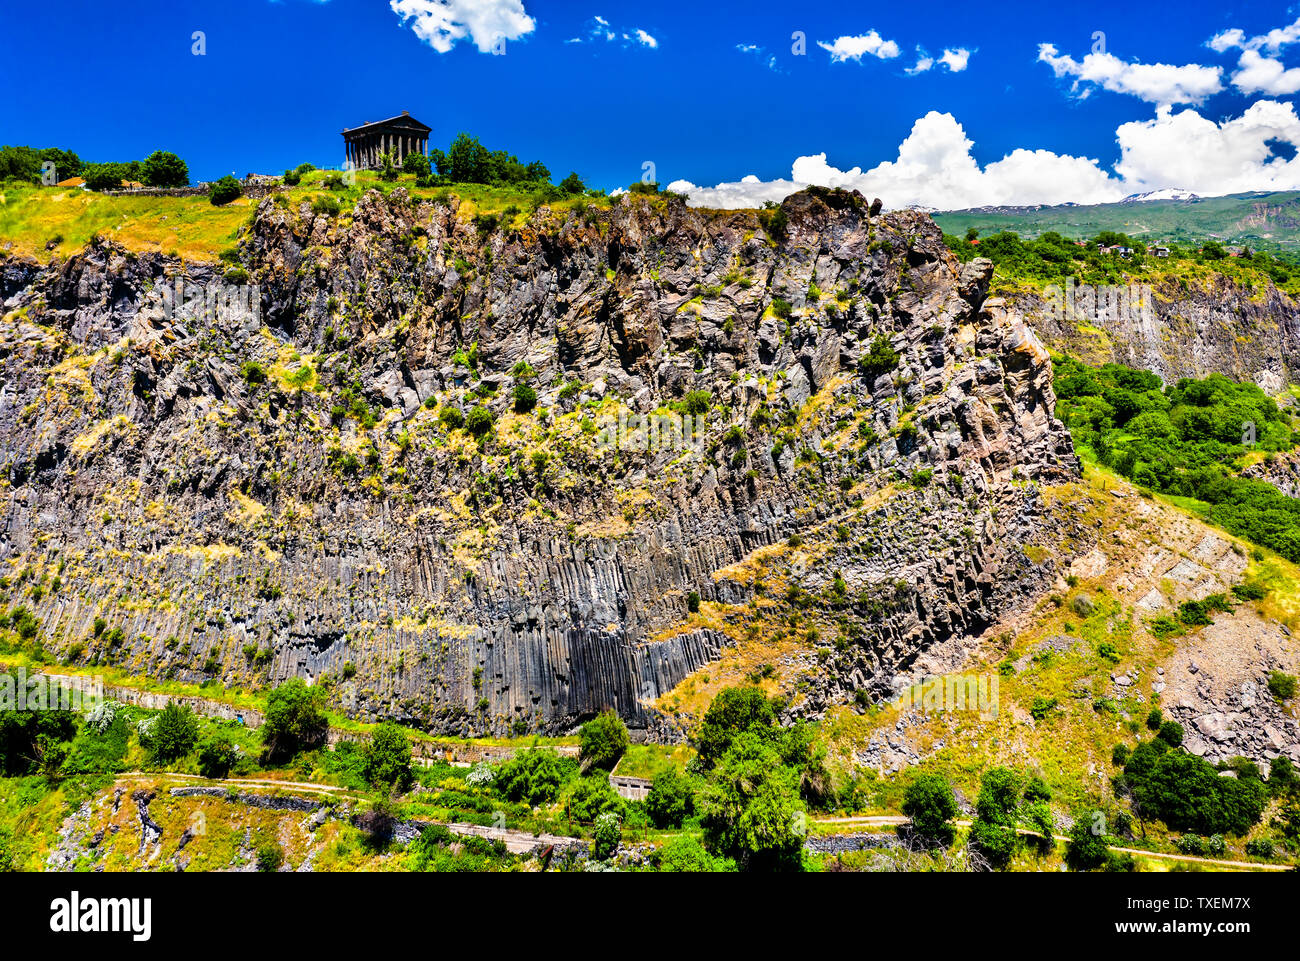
886,820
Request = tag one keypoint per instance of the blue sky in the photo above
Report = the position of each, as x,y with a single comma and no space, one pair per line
707,92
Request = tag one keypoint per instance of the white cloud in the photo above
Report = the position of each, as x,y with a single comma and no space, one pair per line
1209,158
1260,74
600,29
935,167
923,63
1273,41
1235,37
1158,83
855,48
955,58
443,23
1257,73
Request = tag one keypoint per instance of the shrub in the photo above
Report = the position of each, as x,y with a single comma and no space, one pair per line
270,856
479,421
693,602
292,178
697,402
604,739
294,719
881,358
1088,850
388,757
325,205
671,799
217,755
931,805
1171,732
451,417
253,373
534,776
1154,719
525,398
1281,685
593,796
684,854
224,191
173,733
607,835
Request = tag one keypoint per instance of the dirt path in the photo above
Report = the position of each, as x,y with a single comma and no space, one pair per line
885,820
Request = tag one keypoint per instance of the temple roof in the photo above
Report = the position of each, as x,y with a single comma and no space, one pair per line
403,121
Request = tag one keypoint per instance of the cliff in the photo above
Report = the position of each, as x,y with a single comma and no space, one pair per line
272,481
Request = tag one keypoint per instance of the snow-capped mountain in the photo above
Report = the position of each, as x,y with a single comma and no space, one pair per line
1167,193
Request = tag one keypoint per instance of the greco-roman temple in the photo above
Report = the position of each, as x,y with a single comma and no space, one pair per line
402,135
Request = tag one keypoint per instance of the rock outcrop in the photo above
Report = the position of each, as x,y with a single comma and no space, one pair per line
277,479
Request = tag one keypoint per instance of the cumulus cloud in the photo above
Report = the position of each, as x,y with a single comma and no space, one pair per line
935,167
855,48
1273,41
443,23
1260,74
1257,73
955,59
1159,83
1209,158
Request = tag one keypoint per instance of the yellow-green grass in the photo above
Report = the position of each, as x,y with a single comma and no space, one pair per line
32,217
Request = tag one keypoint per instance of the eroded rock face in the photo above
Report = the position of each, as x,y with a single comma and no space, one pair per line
252,524
1252,336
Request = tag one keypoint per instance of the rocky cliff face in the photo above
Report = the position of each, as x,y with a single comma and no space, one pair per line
1249,335
247,488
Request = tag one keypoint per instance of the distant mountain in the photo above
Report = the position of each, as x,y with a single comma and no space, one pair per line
1259,220
1168,193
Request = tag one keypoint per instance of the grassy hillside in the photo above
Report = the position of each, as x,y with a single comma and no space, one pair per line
40,221
1270,221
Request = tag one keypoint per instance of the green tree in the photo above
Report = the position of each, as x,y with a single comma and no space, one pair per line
224,191
468,161
174,733
572,184
388,757
685,854
535,776
417,164
164,169
295,720
750,807
217,755
733,711
671,799
930,803
996,814
592,796
603,739
1088,849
